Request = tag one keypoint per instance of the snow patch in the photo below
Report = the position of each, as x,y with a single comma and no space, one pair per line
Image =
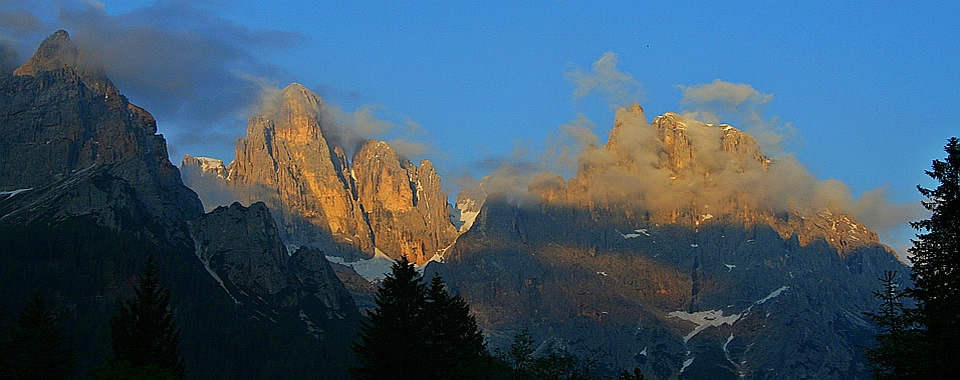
644,352
604,274
729,266
467,213
772,295
13,193
686,363
375,268
704,319
706,217
694,245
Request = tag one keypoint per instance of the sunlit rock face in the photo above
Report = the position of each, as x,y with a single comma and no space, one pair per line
406,207
286,161
349,208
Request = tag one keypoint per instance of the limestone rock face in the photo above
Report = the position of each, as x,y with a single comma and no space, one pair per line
405,205
320,197
242,249
77,144
286,162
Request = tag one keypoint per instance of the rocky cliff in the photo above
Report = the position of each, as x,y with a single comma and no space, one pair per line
405,204
347,208
74,146
242,250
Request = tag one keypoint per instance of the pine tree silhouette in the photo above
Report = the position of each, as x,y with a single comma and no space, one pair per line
936,267
454,342
393,337
144,333
895,354
36,349
417,332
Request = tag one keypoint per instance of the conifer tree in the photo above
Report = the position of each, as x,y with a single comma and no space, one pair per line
454,342
36,348
144,333
393,337
895,353
936,267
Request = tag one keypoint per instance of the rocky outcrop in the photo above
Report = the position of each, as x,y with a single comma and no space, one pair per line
241,248
286,161
320,198
83,149
405,205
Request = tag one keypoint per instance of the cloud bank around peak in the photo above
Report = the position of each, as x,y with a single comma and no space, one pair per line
739,104
574,150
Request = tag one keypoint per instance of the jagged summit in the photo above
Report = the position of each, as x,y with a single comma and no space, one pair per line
55,52
58,52
295,163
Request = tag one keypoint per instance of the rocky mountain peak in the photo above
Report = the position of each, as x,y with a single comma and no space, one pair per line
55,52
58,52
297,117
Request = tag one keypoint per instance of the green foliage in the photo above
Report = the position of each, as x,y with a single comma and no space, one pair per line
936,267
144,333
895,355
36,347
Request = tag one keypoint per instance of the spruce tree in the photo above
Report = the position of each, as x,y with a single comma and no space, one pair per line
144,333
393,336
36,348
454,342
895,354
936,267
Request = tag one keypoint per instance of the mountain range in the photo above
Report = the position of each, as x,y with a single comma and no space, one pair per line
678,247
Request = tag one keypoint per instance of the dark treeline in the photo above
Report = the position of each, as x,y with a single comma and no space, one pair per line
145,339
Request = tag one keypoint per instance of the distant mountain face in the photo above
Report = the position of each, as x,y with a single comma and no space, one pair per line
348,208
87,192
671,250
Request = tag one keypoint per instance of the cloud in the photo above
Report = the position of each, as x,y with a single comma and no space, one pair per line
682,164
618,87
739,104
726,93
566,144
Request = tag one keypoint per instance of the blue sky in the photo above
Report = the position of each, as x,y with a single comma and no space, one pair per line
866,91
